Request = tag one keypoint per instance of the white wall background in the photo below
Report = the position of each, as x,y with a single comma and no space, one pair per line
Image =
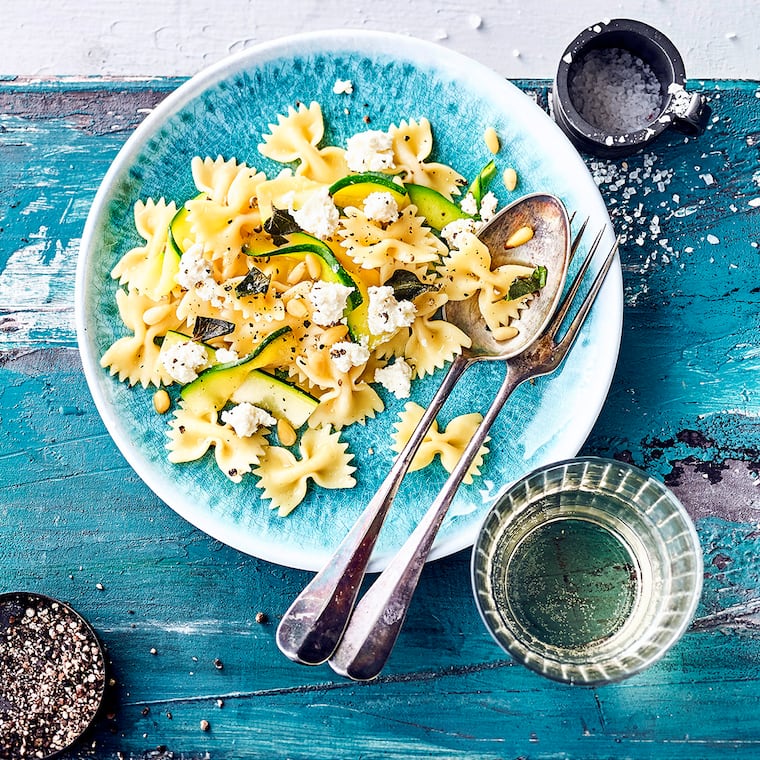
517,38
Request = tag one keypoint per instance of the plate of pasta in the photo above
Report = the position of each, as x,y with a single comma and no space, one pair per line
261,281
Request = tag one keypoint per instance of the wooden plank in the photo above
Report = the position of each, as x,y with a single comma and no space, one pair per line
684,404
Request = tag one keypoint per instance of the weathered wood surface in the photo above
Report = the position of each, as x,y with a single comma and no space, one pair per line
684,404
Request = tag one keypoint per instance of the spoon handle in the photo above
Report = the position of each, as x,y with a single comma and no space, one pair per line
376,622
311,628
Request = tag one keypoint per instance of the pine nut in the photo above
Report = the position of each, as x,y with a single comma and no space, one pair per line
314,266
297,273
161,401
492,140
504,333
296,308
155,314
519,237
333,334
285,432
510,179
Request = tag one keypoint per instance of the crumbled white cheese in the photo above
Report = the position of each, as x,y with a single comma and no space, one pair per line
245,419
453,231
184,360
318,215
195,273
370,151
346,354
385,313
381,207
469,205
343,87
396,378
225,355
329,301
488,205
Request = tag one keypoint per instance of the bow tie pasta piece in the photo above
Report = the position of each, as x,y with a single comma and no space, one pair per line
228,183
191,435
345,397
135,358
406,243
324,459
412,143
151,268
466,272
448,444
296,137
225,213
432,342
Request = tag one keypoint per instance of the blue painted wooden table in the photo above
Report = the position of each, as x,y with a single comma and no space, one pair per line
76,523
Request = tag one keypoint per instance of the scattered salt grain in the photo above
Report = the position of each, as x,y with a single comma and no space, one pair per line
615,91
754,203
713,240
475,21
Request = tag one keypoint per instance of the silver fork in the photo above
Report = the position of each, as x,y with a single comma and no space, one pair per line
376,621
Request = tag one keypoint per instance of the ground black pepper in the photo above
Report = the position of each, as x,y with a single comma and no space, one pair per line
52,675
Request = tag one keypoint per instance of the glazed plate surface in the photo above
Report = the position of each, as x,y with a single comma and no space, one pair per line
224,111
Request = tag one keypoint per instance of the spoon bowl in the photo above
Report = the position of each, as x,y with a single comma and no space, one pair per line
546,216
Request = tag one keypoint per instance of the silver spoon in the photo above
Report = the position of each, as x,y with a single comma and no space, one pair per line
312,627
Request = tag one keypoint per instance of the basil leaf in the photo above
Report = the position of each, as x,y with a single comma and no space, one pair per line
407,286
280,224
253,284
524,286
206,328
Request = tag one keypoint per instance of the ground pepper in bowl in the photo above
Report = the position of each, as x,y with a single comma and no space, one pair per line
52,675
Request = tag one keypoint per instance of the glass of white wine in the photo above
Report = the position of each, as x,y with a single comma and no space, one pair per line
587,571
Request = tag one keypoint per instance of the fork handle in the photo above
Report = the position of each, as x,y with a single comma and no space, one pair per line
311,628
376,622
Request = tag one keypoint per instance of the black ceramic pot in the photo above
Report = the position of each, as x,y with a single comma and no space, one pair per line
687,112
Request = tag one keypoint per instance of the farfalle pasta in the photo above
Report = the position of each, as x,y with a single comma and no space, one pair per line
447,444
280,309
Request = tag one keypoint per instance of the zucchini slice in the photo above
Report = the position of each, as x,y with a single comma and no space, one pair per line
353,189
180,232
214,387
279,398
301,243
436,208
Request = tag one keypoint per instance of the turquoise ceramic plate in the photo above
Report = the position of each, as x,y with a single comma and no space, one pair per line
224,110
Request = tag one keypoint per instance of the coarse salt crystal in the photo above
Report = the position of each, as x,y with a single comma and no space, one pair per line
616,91
713,240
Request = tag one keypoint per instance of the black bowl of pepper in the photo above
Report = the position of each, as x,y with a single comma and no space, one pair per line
619,85
52,676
